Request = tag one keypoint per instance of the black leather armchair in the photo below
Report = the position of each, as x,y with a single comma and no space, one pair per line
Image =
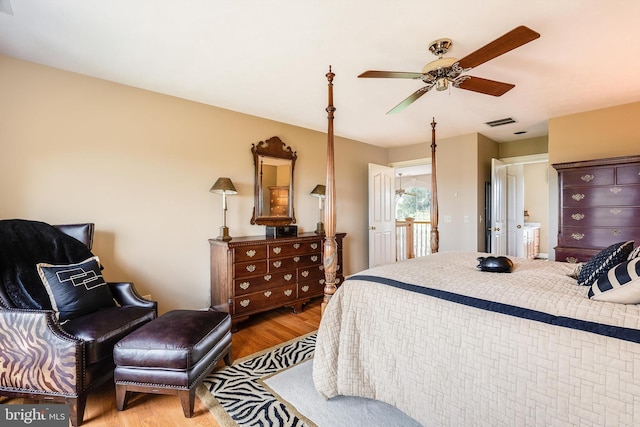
41,357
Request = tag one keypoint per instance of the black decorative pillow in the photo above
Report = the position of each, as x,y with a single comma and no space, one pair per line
76,289
621,284
603,262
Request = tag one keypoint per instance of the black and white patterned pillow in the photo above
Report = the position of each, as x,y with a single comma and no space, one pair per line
621,284
634,253
603,262
75,289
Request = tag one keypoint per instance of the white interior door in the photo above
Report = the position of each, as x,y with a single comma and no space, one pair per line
515,211
498,207
382,219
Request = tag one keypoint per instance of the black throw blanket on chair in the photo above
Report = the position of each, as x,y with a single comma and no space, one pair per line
23,244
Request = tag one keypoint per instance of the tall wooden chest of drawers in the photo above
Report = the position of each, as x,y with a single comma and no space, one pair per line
599,206
250,275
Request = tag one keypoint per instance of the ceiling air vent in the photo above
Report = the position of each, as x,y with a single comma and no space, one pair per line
501,122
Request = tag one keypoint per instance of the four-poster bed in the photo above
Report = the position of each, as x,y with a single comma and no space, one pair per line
449,344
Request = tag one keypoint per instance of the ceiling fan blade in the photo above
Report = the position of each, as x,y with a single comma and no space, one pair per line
410,99
391,75
488,87
511,40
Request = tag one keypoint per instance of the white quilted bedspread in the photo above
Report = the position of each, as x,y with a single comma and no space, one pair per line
448,364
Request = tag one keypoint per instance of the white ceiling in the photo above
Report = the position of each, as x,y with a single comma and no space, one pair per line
269,58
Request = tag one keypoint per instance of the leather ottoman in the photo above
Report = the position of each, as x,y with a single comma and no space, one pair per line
172,354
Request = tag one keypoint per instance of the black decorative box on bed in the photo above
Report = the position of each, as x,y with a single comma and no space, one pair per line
282,231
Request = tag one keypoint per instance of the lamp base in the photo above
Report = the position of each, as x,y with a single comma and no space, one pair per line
320,229
224,234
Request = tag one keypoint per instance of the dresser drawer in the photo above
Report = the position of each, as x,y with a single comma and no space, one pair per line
606,217
248,285
589,177
575,255
614,195
628,174
311,273
280,250
315,287
258,301
251,268
248,253
279,264
600,237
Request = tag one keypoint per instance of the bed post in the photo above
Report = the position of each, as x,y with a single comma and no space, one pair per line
435,237
330,245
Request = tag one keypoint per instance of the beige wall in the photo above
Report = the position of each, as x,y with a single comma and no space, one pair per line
609,132
140,165
524,147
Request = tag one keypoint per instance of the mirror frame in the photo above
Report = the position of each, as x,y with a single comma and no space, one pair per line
272,147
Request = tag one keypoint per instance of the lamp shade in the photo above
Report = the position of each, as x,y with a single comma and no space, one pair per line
224,186
318,191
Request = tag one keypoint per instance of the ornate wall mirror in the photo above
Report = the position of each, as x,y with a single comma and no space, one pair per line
273,200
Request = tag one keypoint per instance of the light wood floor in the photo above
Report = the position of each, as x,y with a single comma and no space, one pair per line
257,333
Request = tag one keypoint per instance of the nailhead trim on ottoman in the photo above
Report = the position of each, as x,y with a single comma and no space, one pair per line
172,354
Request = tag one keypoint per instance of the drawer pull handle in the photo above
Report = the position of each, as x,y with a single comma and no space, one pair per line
587,178
616,232
314,258
277,250
321,281
267,277
577,216
572,260
288,277
267,294
338,268
305,273
321,267
615,211
305,288
251,268
288,292
577,197
296,246
578,236
251,253
277,264
296,259
314,246
615,190
244,302
245,285
337,280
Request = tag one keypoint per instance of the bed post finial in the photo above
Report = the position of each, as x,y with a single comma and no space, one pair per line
435,237
330,245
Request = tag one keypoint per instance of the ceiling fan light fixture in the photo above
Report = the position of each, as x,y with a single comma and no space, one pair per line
442,84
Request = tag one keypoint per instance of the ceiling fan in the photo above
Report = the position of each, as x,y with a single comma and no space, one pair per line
401,191
442,71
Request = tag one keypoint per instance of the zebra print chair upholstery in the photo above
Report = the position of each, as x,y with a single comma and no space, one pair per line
41,357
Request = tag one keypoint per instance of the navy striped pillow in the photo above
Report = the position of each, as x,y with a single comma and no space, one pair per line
621,284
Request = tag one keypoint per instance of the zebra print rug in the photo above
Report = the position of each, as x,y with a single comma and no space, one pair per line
238,391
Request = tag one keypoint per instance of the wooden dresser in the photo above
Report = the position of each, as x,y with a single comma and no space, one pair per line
599,206
250,275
